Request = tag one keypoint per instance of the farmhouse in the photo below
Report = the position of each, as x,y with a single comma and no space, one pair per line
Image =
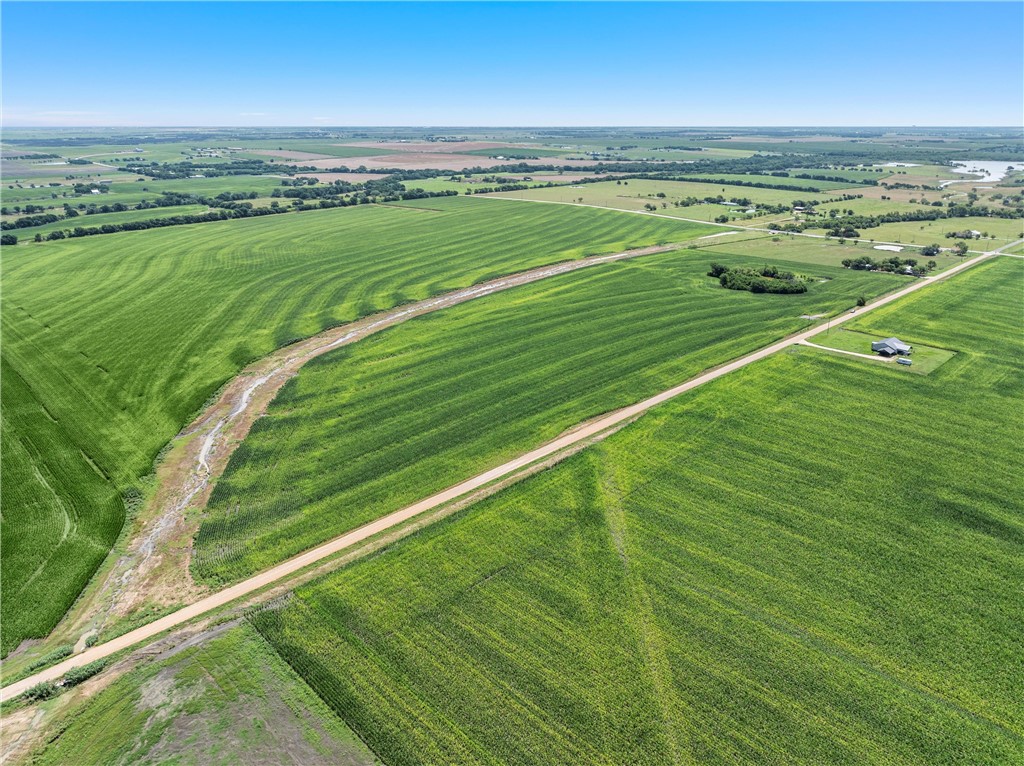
891,347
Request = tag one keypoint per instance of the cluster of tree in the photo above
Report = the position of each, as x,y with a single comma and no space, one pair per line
30,220
822,177
501,188
842,231
26,209
189,168
893,265
32,156
8,239
90,188
767,279
955,210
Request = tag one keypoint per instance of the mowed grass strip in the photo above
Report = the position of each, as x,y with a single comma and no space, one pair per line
812,560
116,341
370,428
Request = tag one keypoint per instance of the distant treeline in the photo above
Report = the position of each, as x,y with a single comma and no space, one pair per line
189,169
228,210
956,210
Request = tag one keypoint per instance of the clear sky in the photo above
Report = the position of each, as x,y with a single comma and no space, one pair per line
509,64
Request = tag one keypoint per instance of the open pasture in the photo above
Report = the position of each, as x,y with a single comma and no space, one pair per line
998,231
119,339
800,562
367,429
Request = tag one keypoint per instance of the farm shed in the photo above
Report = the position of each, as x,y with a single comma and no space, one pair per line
891,347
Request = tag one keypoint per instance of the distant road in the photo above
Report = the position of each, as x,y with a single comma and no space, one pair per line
592,430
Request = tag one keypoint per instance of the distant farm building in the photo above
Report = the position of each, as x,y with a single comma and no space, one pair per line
891,347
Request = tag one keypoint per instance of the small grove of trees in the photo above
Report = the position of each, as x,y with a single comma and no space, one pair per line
8,239
767,279
893,265
930,250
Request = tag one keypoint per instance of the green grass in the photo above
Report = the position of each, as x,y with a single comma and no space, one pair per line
1000,230
123,337
229,700
811,560
926,359
370,428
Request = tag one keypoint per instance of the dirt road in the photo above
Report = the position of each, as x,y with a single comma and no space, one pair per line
590,431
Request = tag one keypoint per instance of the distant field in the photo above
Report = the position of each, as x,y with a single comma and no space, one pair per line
130,192
812,560
1001,231
230,700
367,429
624,195
117,340
517,152
98,219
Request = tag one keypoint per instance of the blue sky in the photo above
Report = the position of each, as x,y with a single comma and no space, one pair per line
530,64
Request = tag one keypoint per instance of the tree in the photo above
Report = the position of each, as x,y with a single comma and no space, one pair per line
930,250
8,239
961,248
862,301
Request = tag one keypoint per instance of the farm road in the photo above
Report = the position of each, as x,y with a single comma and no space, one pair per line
592,430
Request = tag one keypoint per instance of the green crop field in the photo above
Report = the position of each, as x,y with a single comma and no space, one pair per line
230,700
367,429
811,560
119,339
